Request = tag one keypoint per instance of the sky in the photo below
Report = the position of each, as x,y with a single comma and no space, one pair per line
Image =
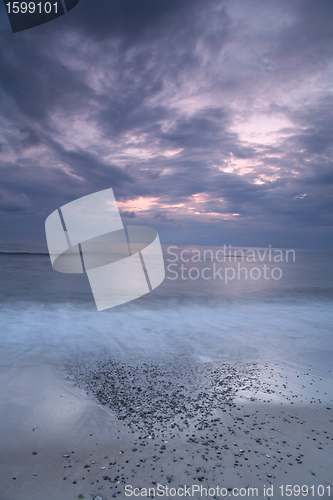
211,120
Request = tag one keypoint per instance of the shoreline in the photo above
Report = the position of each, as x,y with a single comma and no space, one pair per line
250,436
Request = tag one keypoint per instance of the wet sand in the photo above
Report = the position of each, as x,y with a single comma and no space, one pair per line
90,429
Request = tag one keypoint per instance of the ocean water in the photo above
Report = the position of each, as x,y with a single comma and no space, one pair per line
49,316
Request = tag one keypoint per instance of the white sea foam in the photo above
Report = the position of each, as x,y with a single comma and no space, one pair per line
247,331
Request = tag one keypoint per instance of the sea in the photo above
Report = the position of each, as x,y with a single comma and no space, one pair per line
206,309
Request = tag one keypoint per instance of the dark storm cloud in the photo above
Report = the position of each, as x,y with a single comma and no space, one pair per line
164,218
54,186
315,134
201,130
308,40
13,203
90,168
33,83
150,96
128,214
132,20
31,138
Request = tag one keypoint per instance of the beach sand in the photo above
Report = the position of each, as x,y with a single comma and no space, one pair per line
90,429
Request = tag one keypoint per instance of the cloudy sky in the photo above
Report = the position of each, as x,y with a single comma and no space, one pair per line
212,120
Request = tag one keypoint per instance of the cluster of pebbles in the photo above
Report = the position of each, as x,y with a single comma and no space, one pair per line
145,394
206,424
